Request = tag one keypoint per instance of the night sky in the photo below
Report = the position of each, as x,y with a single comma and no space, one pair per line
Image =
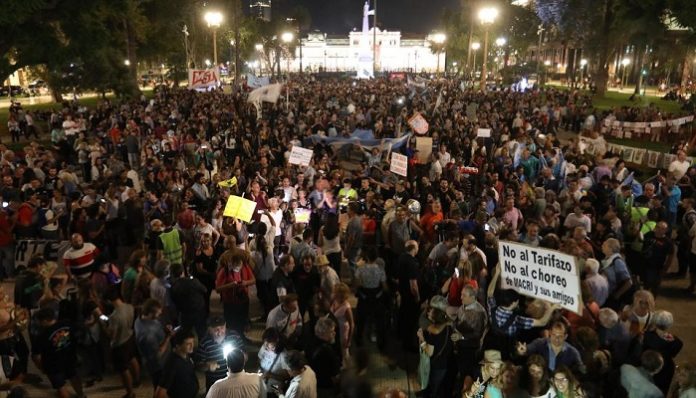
409,16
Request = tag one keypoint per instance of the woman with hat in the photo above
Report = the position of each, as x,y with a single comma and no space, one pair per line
436,343
490,370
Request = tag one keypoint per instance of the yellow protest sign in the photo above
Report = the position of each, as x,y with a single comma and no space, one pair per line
240,208
228,183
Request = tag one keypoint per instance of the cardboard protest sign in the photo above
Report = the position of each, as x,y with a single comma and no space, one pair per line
302,215
399,164
240,208
485,133
424,146
301,156
418,124
541,273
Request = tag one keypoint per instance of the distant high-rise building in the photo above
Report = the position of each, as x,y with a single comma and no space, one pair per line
261,9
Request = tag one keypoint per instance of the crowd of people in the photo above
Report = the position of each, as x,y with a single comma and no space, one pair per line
139,189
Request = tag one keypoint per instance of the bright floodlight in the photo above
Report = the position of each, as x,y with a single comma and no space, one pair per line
287,37
439,38
625,61
488,15
583,62
213,18
207,62
127,62
500,41
259,47
475,45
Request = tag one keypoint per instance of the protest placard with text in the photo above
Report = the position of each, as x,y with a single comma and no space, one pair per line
540,273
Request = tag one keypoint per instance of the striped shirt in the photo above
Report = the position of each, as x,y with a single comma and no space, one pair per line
501,315
80,261
210,351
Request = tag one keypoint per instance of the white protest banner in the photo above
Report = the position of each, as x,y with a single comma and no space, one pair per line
541,273
301,156
399,164
485,133
203,78
418,124
51,250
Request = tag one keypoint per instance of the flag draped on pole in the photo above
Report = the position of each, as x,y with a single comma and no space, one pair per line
269,93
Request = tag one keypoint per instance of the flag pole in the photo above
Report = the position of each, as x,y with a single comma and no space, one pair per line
374,41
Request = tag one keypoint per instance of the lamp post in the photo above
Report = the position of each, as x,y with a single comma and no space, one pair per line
213,19
583,62
625,63
487,16
439,39
500,43
475,46
287,38
259,48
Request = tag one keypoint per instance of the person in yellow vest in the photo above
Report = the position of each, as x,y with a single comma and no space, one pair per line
171,244
346,194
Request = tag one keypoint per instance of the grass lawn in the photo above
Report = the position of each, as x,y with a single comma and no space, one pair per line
614,99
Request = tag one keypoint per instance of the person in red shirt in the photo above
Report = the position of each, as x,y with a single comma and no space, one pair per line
232,282
432,216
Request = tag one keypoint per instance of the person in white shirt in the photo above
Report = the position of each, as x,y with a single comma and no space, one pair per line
304,380
679,166
578,219
238,383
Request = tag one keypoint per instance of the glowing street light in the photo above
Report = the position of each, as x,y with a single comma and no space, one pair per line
583,63
475,46
487,15
501,41
214,20
439,39
547,63
207,62
625,63
287,37
126,62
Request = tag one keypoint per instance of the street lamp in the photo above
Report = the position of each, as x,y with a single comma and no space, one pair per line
127,62
214,19
475,46
583,62
439,39
487,16
500,42
287,38
207,62
625,63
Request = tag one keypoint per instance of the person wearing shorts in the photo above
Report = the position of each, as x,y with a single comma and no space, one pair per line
55,353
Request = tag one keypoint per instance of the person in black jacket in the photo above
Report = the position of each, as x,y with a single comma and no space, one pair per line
189,297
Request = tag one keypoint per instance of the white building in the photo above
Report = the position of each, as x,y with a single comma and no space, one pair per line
394,53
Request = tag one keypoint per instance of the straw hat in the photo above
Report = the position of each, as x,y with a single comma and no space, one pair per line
492,356
322,260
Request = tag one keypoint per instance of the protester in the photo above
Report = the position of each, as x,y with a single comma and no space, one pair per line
155,174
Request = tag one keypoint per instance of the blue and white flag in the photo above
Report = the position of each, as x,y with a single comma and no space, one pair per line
256,82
